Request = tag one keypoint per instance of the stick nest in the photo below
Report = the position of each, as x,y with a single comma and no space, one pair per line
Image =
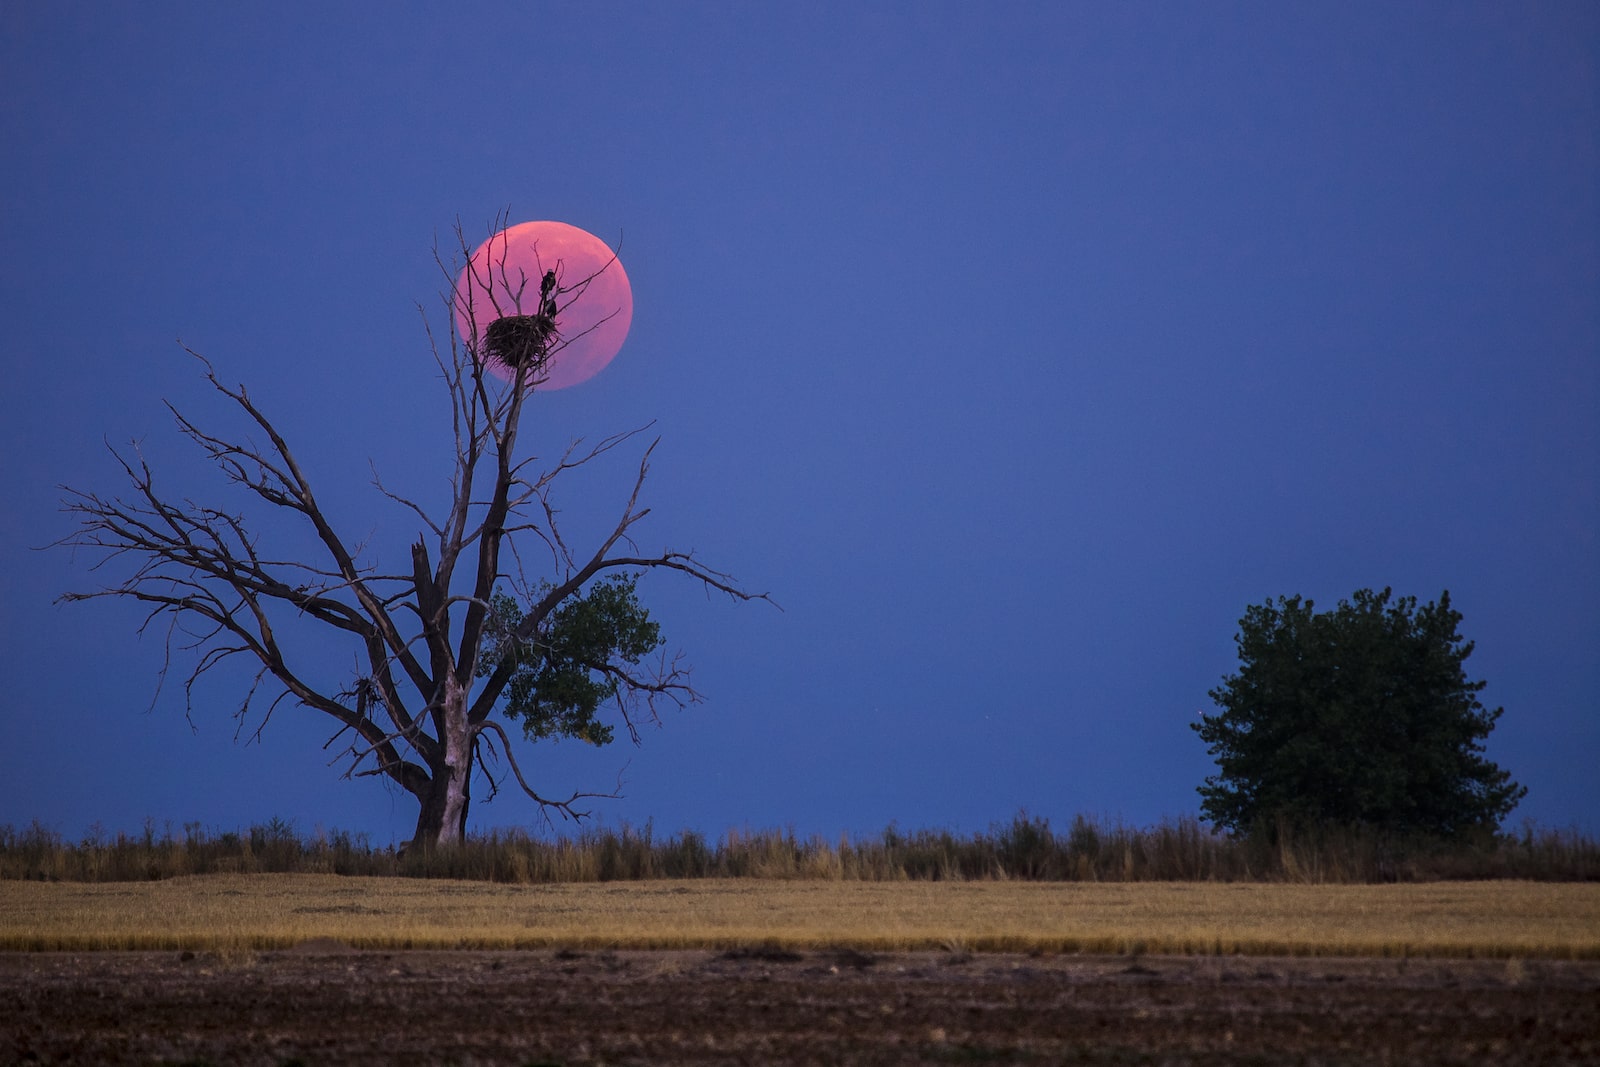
520,341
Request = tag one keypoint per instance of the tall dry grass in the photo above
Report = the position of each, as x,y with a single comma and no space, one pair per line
1026,848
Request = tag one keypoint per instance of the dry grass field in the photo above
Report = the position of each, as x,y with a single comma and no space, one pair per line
1501,919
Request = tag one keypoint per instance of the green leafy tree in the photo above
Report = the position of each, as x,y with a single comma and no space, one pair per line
1359,718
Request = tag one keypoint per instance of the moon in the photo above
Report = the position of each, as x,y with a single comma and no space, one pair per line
593,295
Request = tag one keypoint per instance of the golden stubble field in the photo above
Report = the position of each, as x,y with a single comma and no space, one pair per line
1499,919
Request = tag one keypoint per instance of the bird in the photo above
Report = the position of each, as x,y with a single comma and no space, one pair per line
547,294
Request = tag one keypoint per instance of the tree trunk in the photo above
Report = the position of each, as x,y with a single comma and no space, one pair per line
443,819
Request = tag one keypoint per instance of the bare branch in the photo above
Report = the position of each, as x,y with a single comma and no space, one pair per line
565,807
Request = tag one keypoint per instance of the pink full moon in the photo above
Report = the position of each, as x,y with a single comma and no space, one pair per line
593,296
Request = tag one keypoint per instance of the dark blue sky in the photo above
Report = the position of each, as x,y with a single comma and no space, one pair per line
1014,348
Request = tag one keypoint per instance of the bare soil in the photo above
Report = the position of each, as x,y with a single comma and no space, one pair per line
323,1003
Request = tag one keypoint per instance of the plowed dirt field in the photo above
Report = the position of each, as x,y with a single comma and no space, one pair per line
323,1003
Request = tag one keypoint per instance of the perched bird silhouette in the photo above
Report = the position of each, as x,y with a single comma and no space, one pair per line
547,294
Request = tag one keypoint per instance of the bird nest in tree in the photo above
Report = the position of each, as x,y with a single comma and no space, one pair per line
520,341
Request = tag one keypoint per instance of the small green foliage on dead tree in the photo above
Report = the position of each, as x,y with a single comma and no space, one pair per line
574,665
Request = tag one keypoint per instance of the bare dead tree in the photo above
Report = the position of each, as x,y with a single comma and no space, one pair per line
436,647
